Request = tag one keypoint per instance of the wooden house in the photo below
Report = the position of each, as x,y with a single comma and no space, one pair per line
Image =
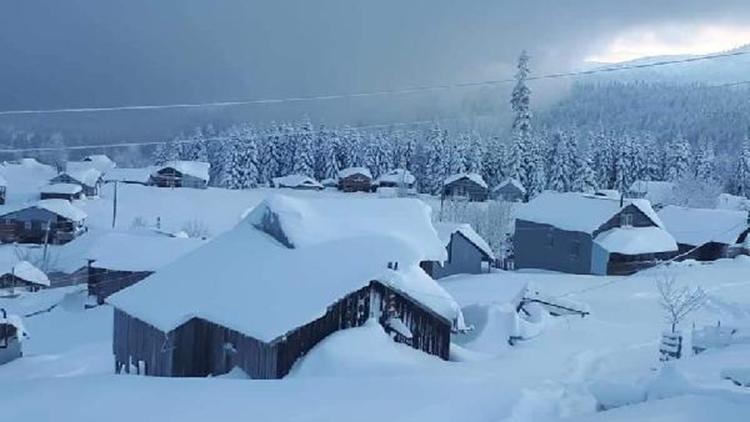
53,221
206,314
181,174
88,179
467,186
67,191
589,234
706,234
510,190
468,253
355,179
12,334
296,181
24,276
119,260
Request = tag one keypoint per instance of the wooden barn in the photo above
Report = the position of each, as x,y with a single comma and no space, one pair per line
88,179
181,174
12,334
296,181
67,191
23,276
355,179
466,186
589,234
119,260
510,190
54,221
468,253
706,234
308,281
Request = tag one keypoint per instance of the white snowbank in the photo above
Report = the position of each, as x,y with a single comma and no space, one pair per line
636,240
739,376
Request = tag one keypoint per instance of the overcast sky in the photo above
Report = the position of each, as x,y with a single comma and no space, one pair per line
117,52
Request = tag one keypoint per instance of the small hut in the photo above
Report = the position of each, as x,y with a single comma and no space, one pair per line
706,234
12,334
24,276
510,190
470,186
181,174
355,179
67,191
88,179
54,221
468,252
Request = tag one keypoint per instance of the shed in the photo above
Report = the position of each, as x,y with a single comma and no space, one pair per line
291,273
119,260
24,276
136,176
510,190
176,174
67,191
469,186
355,179
468,253
296,181
53,221
589,234
705,234
12,333
396,178
659,193
88,179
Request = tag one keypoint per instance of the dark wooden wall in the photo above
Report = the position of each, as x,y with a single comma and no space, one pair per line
103,283
355,183
465,187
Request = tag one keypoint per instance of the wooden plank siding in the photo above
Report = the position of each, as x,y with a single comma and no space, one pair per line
355,183
465,188
103,283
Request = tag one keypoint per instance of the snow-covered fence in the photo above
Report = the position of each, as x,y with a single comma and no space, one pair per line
671,346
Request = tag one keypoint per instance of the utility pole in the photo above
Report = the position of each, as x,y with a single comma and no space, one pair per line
114,207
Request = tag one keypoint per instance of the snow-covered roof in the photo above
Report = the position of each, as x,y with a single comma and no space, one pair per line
87,176
197,169
697,226
510,181
445,230
248,281
295,181
62,188
103,165
28,272
397,176
474,177
17,322
657,192
350,171
580,212
137,175
138,252
636,240
26,177
63,208
101,162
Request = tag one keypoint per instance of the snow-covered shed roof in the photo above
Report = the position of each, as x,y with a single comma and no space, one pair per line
61,188
510,181
101,162
397,176
139,252
136,175
445,230
697,226
101,165
28,272
62,208
350,171
85,176
246,280
580,212
474,177
17,322
636,240
197,169
295,181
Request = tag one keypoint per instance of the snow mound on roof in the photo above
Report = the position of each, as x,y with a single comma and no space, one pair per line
61,188
579,212
132,252
86,176
26,176
17,322
697,226
397,176
636,240
138,175
511,181
474,177
63,208
28,272
445,230
197,169
309,221
365,350
350,171
296,180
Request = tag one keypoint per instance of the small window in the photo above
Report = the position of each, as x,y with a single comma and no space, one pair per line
626,220
27,225
575,249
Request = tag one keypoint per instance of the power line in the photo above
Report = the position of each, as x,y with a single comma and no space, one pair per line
363,94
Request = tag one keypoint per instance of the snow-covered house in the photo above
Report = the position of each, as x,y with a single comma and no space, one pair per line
589,234
12,334
510,190
705,234
24,276
176,174
67,191
469,186
136,176
396,178
119,260
289,274
659,193
468,252
296,181
355,179
53,221
88,179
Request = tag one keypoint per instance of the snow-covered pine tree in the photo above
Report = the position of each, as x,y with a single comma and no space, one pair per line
243,172
169,151
741,180
558,164
474,153
652,156
585,177
303,153
705,162
677,157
